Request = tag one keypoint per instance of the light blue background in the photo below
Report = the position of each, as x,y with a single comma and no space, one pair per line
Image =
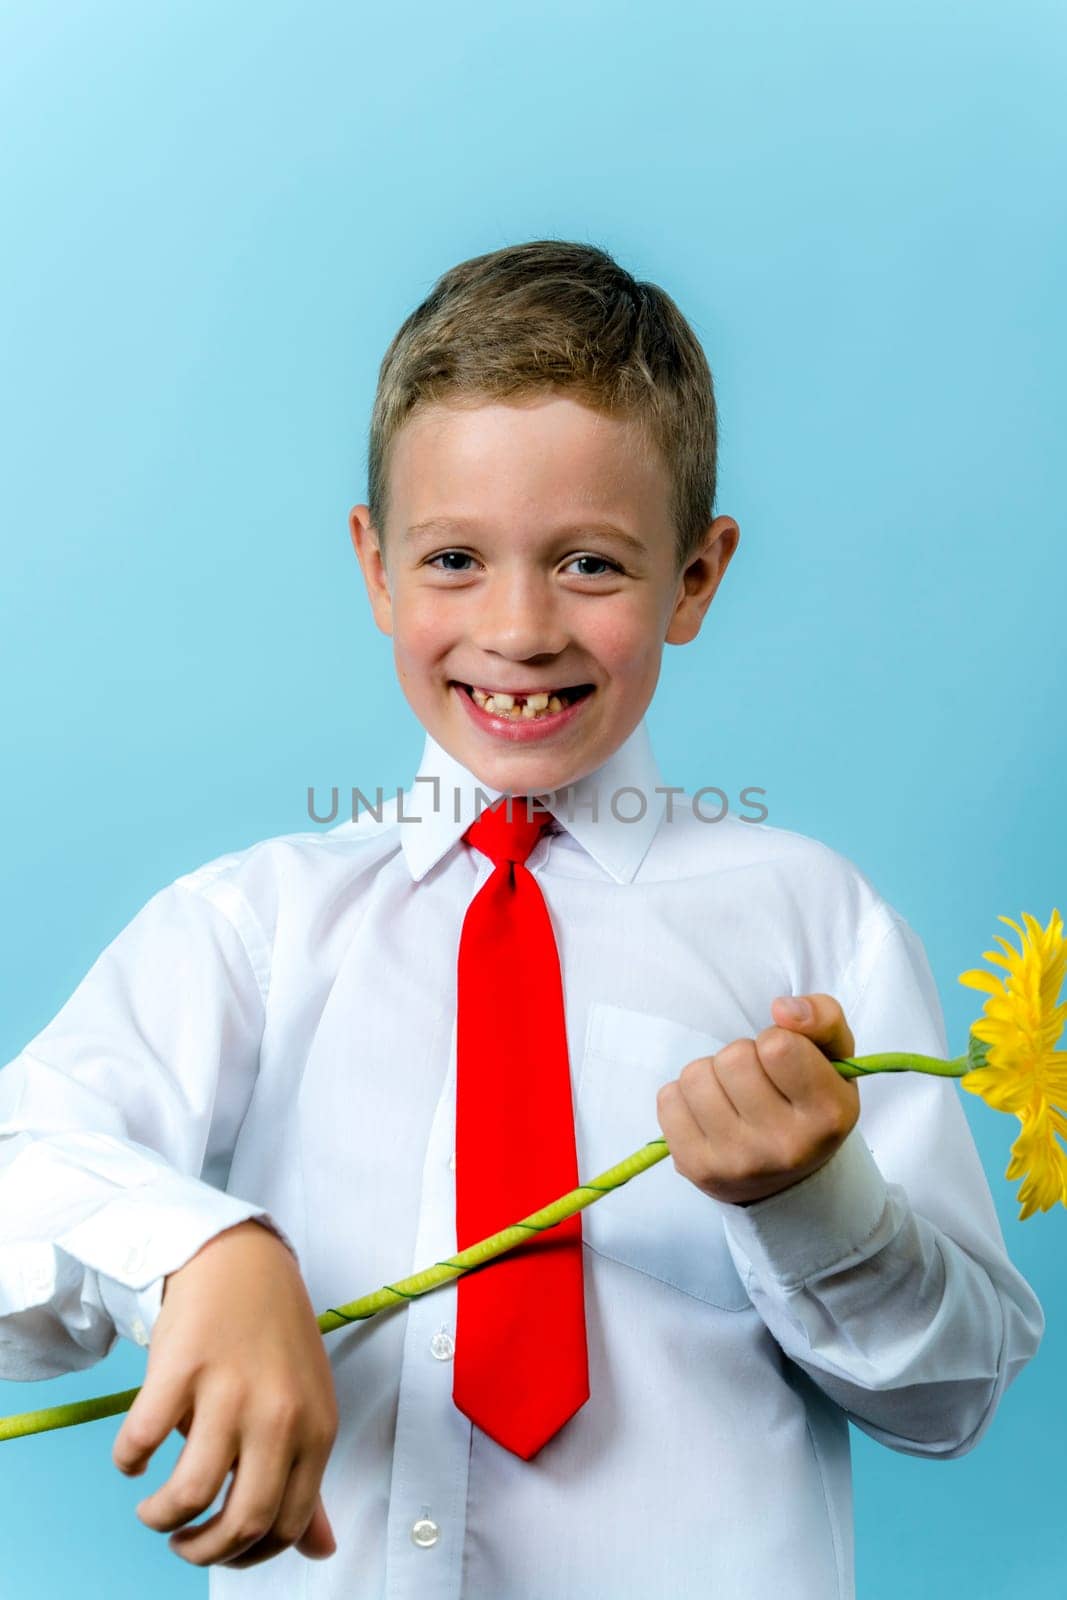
216,217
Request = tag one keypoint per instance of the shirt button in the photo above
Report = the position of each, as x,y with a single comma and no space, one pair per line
424,1533
443,1346
139,1331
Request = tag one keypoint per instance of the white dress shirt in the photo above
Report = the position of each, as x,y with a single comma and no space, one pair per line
273,1035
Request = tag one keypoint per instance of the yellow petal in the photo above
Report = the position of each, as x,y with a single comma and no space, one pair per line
981,980
1024,1073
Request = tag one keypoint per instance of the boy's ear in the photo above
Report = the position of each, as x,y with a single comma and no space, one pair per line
367,545
700,579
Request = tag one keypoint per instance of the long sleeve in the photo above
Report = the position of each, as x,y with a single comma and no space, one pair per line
117,1124
884,1275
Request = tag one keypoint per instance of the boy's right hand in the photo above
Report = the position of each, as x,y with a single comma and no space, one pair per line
237,1364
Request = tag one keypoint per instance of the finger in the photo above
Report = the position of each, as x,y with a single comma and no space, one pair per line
249,1510
299,1504
802,1070
160,1405
795,1065
318,1539
825,1024
755,1096
199,1473
719,1123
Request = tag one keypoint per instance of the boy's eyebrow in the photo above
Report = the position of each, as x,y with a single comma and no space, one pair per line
453,525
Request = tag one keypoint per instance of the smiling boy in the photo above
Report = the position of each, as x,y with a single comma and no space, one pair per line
247,1110
534,553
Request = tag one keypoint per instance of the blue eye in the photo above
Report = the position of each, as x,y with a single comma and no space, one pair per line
597,560
443,554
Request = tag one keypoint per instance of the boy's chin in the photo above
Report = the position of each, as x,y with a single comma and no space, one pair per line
518,771
531,776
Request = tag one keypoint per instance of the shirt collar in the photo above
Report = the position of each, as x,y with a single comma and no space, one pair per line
434,815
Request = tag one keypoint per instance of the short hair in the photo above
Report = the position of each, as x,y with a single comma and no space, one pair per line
552,315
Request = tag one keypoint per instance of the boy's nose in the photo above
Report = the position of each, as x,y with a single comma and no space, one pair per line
519,620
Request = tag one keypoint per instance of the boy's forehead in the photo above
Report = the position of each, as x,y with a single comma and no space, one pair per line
554,454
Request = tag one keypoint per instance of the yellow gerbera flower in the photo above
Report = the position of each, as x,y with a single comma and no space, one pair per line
1015,1065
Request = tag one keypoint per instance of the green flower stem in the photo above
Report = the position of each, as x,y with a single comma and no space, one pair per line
105,1405
863,1066
110,1405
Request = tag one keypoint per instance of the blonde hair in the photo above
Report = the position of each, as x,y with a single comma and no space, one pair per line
551,315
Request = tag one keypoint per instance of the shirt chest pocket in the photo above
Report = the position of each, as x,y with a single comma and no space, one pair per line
660,1223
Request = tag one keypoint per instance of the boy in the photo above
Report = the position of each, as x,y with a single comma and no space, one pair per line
247,1112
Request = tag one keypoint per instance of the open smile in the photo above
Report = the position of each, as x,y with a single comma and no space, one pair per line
523,714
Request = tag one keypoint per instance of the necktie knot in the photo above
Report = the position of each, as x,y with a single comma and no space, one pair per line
509,838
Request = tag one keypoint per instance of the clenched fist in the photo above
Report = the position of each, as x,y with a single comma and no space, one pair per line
763,1113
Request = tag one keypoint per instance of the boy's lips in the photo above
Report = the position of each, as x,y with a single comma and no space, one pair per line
523,728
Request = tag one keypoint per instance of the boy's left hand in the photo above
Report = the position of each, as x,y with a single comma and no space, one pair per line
763,1113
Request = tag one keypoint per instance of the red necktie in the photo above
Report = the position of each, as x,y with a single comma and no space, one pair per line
521,1366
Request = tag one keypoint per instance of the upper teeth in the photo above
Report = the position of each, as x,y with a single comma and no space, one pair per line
532,705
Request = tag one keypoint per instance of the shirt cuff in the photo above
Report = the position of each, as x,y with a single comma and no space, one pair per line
133,1311
818,1225
144,1234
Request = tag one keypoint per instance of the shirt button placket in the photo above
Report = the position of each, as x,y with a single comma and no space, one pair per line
431,1455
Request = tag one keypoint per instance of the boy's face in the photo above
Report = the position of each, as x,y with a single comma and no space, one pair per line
520,585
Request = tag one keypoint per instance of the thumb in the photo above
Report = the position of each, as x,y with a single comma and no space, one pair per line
819,1018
